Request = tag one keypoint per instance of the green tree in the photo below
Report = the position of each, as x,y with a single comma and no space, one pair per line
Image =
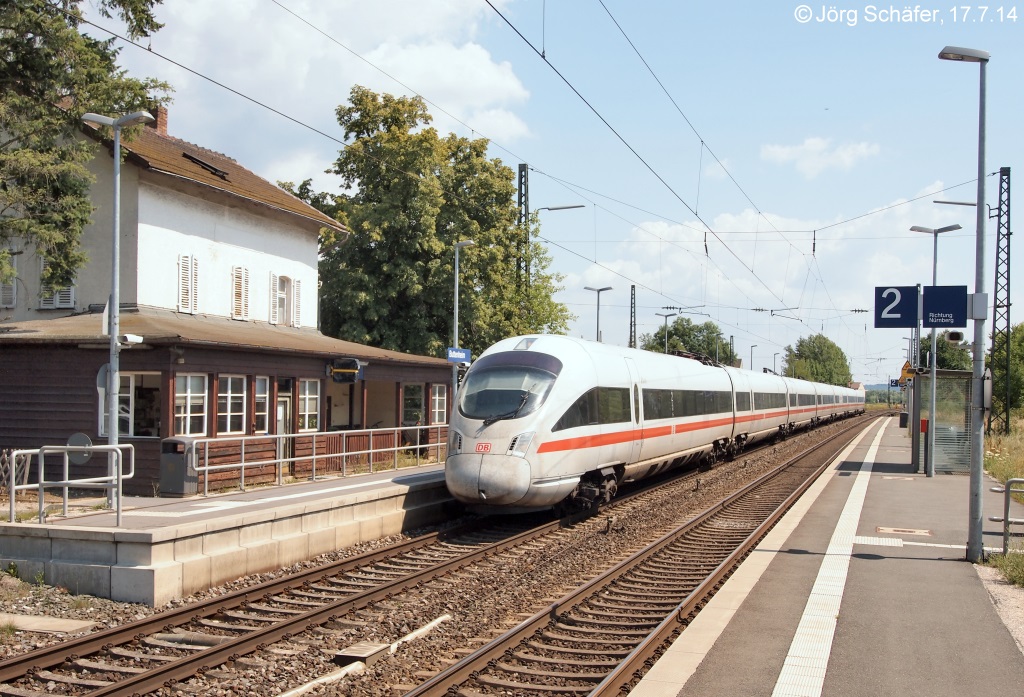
1016,375
415,194
819,359
686,336
951,356
50,75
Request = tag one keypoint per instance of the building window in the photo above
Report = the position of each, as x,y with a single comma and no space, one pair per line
261,392
309,405
9,291
285,301
52,298
239,292
190,405
138,406
412,405
188,284
438,404
231,404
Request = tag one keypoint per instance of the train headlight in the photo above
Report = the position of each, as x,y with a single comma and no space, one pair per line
520,444
454,442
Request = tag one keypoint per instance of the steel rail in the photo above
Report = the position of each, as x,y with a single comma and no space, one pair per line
50,656
447,682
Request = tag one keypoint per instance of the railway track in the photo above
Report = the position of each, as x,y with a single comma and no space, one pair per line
166,648
161,652
598,639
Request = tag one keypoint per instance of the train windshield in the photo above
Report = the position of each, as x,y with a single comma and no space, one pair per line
507,385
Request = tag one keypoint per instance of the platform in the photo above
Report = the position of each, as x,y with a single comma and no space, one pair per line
169,548
862,589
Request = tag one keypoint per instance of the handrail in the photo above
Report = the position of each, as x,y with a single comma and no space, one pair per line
198,451
110,481
1008,490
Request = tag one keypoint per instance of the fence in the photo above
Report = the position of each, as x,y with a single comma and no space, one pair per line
111,482
235,462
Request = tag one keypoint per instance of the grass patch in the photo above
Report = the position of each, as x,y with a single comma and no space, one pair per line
1011,565
8,629
81,602
1004,460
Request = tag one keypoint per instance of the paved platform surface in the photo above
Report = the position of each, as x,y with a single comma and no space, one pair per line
147,512
167,548
863,589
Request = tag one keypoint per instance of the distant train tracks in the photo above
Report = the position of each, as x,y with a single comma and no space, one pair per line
160,653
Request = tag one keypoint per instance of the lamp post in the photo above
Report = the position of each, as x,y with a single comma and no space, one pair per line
929,463
598,291
114,302
455,318
666,315
773,361
975,548
752,356
525,212
561,208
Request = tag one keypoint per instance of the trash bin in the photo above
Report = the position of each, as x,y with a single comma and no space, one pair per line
904,419
177,475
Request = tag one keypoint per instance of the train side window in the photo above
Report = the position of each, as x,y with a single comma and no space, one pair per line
636,400
601,405
742,401
583,412
792,399
613,405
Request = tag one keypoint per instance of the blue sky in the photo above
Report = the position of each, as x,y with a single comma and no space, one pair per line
826,129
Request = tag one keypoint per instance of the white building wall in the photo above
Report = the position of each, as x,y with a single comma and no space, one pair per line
220,237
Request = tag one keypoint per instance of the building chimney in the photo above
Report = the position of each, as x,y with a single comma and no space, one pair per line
160,124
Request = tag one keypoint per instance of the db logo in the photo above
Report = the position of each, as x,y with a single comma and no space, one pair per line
483,447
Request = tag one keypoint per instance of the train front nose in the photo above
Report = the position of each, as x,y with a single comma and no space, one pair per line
499,480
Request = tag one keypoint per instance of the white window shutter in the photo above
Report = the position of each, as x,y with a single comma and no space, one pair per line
51,299
8,294
195,285
240,292
296,312
188,284
184,283
9,291
273,298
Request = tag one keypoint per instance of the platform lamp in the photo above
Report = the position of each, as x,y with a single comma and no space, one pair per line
598,291
929,464
455,318
114,302
975,547
666,315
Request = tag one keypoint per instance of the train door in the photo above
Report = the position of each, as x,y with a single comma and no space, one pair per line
634,381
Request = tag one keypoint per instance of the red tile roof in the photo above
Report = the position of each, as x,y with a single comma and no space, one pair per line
159,327
152,149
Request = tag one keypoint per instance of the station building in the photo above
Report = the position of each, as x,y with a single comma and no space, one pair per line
218,286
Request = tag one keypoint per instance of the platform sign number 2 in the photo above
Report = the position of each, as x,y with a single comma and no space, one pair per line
895,306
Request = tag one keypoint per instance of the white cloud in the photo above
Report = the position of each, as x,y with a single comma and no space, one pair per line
815,155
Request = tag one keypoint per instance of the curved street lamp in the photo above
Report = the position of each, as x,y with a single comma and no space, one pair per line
455,318
114,302
975,548
929,465
598,291
666,315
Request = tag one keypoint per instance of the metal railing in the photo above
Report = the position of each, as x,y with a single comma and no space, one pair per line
317,454
1012,486
111,482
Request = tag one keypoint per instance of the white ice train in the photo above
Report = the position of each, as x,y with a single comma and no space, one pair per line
550,421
